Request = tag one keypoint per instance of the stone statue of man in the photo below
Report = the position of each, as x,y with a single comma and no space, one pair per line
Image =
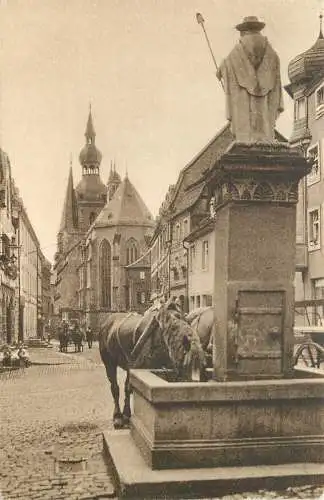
252,83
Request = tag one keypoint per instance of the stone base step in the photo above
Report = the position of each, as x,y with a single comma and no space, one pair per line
134,479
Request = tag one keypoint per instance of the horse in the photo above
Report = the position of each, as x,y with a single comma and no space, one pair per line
156,340
64,337
77,339
203,321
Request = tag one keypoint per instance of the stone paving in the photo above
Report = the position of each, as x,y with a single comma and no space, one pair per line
52,416
52,412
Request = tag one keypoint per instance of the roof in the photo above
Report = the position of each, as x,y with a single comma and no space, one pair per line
306,65
90,131
90,154
125,208
188,187
91,187
205,227
69,219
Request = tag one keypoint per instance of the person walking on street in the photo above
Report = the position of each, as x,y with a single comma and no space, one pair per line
89,336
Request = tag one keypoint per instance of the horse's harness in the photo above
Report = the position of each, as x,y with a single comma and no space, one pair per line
137,342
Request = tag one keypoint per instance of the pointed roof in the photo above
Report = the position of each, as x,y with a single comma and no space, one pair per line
90,154
114,176
307,65
125,208
69,220
90,131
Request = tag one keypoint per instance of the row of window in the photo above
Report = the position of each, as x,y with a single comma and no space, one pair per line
193,265
197,301
300,104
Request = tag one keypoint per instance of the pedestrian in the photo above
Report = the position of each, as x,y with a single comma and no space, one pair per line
89,336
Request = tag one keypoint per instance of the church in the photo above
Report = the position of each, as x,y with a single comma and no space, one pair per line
104,233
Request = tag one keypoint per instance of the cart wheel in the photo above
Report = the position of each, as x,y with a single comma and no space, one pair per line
310,355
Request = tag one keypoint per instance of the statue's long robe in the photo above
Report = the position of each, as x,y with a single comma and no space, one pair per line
252,83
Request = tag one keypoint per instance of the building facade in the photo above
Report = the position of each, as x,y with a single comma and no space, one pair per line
306,88
114,261
201,265
8,254
82,205
32,279
178,264
104,229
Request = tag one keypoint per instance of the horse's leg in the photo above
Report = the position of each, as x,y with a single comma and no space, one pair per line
111,370
127,408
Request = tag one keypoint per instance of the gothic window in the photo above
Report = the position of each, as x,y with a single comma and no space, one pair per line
105,274
131,251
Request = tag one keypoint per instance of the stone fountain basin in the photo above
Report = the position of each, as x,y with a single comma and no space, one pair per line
221,424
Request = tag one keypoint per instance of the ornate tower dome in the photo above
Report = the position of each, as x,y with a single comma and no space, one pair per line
91,186
308,64
90,156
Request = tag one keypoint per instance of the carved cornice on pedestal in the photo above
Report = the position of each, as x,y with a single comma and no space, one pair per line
267,172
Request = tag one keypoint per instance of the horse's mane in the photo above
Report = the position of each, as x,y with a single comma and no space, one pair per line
182,341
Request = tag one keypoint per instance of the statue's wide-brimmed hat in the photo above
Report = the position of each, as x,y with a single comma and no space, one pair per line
250,23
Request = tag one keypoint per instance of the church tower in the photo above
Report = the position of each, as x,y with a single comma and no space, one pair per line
91,193
69,220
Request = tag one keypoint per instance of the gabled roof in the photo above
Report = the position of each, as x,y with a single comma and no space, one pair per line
188,187
125,208
69,220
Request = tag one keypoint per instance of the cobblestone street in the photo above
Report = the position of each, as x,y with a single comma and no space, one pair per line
52,417
52,412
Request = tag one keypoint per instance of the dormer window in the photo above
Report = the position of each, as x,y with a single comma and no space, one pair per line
300,108
319,101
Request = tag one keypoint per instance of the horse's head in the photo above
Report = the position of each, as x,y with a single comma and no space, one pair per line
182,341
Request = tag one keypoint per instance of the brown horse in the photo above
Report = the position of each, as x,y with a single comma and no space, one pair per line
156,340
202,320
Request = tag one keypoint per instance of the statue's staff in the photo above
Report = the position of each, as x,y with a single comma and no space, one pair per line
201,20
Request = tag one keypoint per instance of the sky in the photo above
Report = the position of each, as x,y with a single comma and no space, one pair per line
145,67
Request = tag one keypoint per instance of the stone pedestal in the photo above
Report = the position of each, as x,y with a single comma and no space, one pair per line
259,418
256,191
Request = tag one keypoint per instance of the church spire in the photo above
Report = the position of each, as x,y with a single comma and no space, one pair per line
114,180
69,220
90,131
321,25
90,156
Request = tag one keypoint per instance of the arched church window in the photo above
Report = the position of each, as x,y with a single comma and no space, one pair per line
131,251
92,217
105,274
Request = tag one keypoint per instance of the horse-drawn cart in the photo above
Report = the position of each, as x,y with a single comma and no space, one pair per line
309,338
